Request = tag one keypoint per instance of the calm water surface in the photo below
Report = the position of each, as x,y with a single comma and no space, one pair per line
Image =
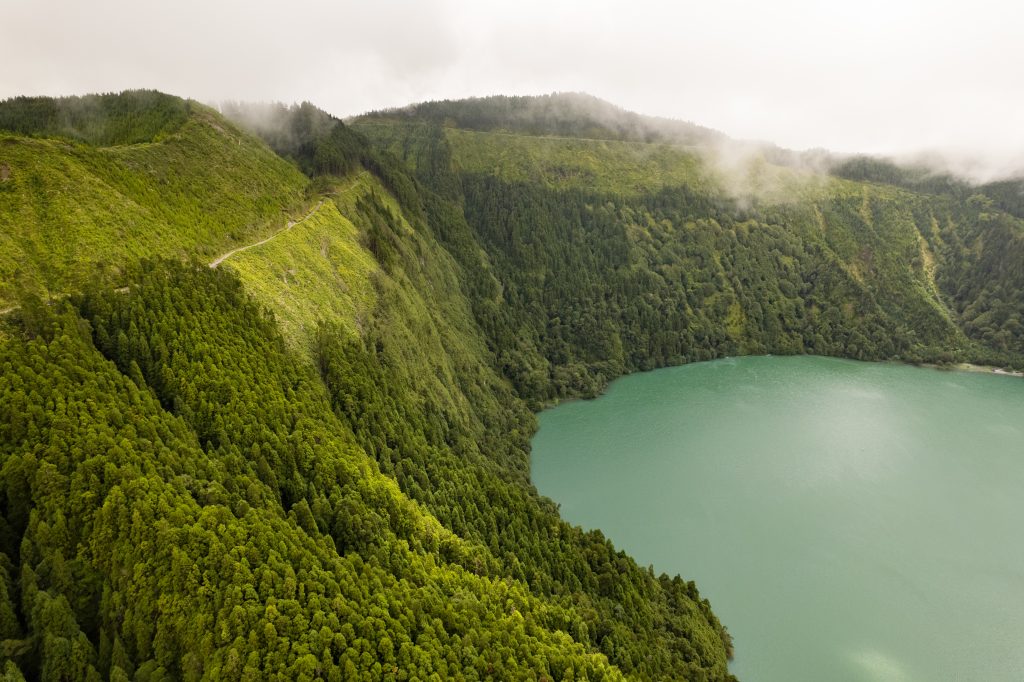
848,521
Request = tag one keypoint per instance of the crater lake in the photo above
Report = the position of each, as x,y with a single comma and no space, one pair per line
847,520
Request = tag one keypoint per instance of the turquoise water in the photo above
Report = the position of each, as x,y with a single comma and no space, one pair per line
848,521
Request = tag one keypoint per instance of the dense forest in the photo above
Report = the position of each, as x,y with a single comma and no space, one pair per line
128,117
599,275
563,114
312,460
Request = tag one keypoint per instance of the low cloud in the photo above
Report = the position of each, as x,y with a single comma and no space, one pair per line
878,76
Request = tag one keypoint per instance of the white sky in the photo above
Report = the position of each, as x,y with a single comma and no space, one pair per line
879,76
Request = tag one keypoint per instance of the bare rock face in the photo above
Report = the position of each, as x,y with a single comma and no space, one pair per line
5,172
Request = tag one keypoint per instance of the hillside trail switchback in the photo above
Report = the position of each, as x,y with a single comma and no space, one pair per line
220,259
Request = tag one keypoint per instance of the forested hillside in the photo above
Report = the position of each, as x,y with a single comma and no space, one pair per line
299,464
72,209
615,256
312,460
565,114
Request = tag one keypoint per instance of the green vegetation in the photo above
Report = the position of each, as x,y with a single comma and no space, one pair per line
313,460
73,211
984,275
420,393
586,273
980,243
312,467
130,117
194,509
560,114
317,270
567,163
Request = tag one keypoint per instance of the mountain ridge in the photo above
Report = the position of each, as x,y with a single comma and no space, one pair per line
429,411
578,111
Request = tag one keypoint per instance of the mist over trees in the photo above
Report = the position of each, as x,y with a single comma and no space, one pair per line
129,117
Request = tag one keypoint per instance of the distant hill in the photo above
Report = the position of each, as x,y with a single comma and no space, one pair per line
585,116
1006,194
565,114
129,117
907,239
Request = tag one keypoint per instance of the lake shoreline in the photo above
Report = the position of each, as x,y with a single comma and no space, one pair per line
969,367
972,368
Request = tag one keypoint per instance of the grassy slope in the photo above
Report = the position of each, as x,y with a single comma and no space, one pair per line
322,271
70,209
561,162
598,165
317,270
208,188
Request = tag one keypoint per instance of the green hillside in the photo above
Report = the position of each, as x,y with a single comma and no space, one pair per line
614,256
312,460
240,494
567,114
71,209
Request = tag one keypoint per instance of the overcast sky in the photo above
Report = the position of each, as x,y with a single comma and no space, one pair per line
880,76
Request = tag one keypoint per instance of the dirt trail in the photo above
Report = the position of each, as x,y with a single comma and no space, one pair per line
220,259
291,223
